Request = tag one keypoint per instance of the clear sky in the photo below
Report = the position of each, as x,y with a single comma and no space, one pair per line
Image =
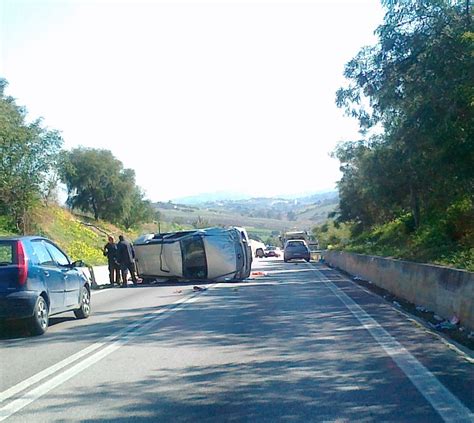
194,96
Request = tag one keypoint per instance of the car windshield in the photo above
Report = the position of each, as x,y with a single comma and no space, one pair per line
295,244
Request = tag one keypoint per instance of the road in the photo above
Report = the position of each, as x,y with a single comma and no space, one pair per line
301,343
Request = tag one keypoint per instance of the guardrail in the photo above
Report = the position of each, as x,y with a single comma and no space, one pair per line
443,290
97,275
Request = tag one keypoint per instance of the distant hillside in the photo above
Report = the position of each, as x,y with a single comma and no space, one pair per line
226,196
210,197
270,215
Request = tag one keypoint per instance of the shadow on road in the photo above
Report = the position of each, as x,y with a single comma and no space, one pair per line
289,351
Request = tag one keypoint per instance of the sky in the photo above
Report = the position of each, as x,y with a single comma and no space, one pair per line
196,97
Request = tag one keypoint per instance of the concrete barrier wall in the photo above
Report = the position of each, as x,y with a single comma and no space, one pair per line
100,275
445,291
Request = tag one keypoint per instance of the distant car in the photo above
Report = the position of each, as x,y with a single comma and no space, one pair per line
37,280
216,254
259,252
296,249
271,251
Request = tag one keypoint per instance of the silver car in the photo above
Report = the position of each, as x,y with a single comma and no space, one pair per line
216,254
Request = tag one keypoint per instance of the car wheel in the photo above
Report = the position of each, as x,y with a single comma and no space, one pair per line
308,260
84,311
40,320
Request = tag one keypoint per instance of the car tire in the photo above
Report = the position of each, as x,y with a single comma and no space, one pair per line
308,260
84,310
40,320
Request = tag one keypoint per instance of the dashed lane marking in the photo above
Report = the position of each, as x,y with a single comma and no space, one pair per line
112,343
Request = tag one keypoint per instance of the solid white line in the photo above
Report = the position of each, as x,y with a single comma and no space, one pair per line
100,291
441,399
123,336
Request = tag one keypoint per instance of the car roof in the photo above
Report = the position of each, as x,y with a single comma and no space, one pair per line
21,237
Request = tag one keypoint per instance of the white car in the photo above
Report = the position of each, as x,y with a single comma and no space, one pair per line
215,254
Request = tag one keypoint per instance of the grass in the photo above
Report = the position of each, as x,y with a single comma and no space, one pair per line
432,243
80,236
72,233
218,217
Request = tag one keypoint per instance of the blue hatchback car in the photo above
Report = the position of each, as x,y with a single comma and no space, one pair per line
37,280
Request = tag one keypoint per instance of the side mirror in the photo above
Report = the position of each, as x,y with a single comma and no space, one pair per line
77,263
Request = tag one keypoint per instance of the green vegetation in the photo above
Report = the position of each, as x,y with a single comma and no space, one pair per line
407,185
98,183
74,235
332,234
31,163
28,160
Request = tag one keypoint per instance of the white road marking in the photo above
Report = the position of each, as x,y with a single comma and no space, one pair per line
441,399
100,291
121,338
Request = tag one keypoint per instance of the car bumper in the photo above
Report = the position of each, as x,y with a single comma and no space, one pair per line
298,257
17,305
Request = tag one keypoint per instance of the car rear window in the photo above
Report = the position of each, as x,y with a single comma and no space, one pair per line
295,244
7,253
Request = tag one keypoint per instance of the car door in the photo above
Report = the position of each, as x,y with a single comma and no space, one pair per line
72,279
50,274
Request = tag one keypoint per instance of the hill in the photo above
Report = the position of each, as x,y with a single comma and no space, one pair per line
261,216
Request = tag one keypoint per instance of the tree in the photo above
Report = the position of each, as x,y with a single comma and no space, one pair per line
28,159
291,215
200,223
97,182
416,85
138,210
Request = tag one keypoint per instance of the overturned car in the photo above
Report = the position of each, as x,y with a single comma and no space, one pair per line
216,254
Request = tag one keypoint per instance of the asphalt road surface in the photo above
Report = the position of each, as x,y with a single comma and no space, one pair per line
301,343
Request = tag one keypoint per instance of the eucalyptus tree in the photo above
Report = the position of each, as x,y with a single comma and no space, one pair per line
415,87
28,160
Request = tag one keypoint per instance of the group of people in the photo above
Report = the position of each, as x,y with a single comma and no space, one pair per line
121,260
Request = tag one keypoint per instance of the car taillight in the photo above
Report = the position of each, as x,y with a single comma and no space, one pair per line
22,263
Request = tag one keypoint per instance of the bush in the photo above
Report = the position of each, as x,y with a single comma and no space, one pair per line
92,256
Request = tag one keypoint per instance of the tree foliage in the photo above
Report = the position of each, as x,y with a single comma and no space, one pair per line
28,160
413,95
98,183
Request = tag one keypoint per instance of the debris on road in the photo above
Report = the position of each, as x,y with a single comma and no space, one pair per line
199,288
445,325
258,273
178,291
454,320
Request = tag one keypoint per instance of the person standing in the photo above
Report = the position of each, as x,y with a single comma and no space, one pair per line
126,259
110,251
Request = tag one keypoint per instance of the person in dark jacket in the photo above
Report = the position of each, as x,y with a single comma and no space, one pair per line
110,251
126,259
